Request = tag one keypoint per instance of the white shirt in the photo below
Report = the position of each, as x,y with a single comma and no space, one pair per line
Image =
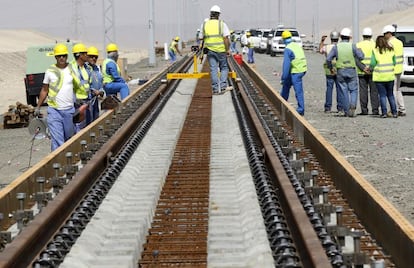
66,97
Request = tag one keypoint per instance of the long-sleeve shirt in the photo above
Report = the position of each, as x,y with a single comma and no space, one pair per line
358,55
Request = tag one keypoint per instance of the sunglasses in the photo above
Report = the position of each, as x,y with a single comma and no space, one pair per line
93,57
61,56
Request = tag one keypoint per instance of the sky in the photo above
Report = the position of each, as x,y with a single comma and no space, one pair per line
83,19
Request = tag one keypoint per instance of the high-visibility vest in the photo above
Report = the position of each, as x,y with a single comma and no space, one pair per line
54,87
384,70
345,57
172,46
366,46
107,78
213,35
80,80
328,49
298,64
399,51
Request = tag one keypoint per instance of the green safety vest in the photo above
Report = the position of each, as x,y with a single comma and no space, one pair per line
384,70
172,46
80,80
107,78
54,87
366,46
298,64
345,57
399,51
213,35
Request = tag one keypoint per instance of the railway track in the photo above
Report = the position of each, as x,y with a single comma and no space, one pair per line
313,204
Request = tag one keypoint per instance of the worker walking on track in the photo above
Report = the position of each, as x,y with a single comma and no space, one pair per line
174,49
348,57
215,34
331,79
81,80
112,80
367,45
96,83
397,45
293,70
59,89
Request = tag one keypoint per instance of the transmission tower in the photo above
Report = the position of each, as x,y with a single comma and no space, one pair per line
77,19
109,21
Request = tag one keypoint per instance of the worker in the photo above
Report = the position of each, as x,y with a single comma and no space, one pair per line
293,70
59,89
197,37
233,47
389,32
330,78
348,58
79,68
113,82
250,46
96,83
367,45
173,49
215,34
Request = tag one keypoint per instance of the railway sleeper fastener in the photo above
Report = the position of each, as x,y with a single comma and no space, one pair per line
22,216
5,236
41,197
356,258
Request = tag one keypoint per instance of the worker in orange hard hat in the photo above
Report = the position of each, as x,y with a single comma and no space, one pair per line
173,49
112,79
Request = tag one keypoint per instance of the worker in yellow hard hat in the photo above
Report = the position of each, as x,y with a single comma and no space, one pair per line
113,83
79,67
96,83
250,46
59,89
294,68
173,49
233,40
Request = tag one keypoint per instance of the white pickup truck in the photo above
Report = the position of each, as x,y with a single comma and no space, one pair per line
406,35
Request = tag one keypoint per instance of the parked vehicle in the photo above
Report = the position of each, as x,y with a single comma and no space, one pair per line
278,44
406,35
265,38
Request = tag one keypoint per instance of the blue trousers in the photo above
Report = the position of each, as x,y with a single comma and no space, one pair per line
216,61
250,55
330,82
114,87
60,124
295,80
348,83
385,90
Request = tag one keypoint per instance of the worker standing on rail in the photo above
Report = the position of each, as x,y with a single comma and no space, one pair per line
112,79
59,89
367,45
293,70
81,79
384,57
174,49
348,57
216,42
389,33
330,77
96,83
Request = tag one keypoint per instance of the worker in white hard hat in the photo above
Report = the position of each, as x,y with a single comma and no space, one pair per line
330,77
366,85
216,44
389,33
348,59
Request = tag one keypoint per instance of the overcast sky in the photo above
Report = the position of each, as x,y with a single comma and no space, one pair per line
83,19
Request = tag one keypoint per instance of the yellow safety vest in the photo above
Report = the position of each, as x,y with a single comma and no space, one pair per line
172,46
213,35
328,49
80,80
107,78
298,64
399,51
384,70
366,46
345,56
54,87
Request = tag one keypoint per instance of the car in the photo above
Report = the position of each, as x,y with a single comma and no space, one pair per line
278,45
265,38
406,35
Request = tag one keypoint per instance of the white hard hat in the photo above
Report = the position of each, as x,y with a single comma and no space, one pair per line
367,32
215,8
388,28
346,32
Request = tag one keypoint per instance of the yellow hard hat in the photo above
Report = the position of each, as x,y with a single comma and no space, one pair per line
60,49
79,48
248,34
111,47
286,34
93,51
177,38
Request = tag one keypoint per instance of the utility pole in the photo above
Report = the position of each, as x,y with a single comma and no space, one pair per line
108,22
77,21
151,48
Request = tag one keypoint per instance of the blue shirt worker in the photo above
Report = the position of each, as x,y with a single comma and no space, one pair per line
112,80
215,34
59,89
348,57
173,49
294,69
96,83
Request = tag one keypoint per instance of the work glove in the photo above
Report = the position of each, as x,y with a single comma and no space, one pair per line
36,112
